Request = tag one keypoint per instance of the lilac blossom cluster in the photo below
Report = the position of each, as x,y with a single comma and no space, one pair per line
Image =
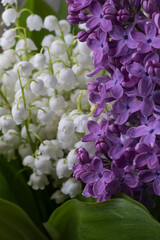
125,39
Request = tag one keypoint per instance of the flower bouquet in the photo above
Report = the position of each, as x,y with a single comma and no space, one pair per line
80,120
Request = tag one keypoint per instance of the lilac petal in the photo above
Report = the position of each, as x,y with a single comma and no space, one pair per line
112,187
156,186
99,110
145,86
110,84
138,36
89,177
150,30
135,106
156,42
117,32
93,43
144,47
139,131
93,126
108,176
86,192
131,43
97,165
157,128
146,176
122,117
95,97
98,55
117,91
120,47
141,147
131,180
136,69
147,107
104,125
141,159
116,152
88,138
148,139
106,25
92,22
153,160
95,8
99,186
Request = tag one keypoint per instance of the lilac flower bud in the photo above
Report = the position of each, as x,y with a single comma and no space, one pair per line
109,11
101,146
73,19
156,19
123,15
92,86
82,36
153,68
149,6
82,156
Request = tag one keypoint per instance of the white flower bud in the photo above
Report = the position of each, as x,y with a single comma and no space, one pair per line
50,149
80,123
39,60
57,105
65,28
38,182
9,34
47,40
32,128
29,161
71,187
66,79
38,87
25,68
68,39
6,123
62,169
43,165
46,116
24,150
50,23
34,22
20,45
50,81
66,127
7,44
77,69
19,114
5,2
59,197
9,16
11,138
57,48
71,159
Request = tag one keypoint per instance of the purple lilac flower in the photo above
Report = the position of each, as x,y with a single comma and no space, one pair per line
126,44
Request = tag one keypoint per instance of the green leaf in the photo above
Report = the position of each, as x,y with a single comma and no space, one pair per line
15,224
13,187
63,10
41,8
116,219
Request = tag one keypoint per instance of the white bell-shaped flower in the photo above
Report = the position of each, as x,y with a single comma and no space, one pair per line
57,48
11,138
6,123
7,44
66,79
38,181
62,169
50,81
80,123
46,116
32,128
57,105
71,187
43,165
34,22
68,39
19,114
9,34
39,60
9,16
59,197
47,40
5,2
50,23
38,87
20,45
25,68
71,159
65,28
25,150
29,161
